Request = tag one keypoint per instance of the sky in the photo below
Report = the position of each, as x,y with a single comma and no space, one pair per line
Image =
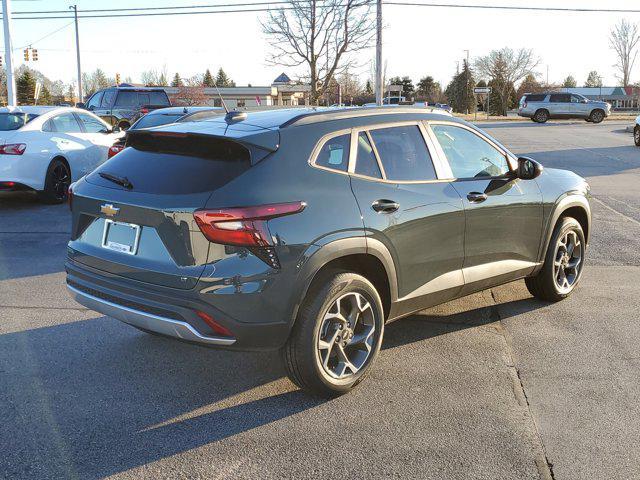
417,41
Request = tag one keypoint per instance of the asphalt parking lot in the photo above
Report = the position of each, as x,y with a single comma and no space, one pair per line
495,385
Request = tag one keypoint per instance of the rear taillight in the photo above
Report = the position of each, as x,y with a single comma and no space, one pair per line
245,226
7,185
144,111
13,149
70,196
115,149
215,326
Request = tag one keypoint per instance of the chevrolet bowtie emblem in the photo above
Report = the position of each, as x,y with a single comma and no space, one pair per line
109,210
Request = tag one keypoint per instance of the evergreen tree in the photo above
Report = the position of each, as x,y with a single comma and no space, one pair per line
428,89
222,80
368,89
162,80
45,97
177,81
407,86
570,82
529,85
460,91
594,79
207,80
25,88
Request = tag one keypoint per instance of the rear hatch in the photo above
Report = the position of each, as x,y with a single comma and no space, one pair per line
133,216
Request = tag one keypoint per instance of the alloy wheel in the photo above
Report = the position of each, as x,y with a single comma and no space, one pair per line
567,262
636,136
346,336
60,181
597,117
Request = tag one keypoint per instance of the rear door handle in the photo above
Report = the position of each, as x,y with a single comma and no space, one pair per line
385,206
476,197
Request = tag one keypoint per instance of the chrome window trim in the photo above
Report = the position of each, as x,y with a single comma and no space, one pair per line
511,162
366,129
324,139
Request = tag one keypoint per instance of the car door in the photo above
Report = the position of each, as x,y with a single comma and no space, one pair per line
106,105
503,214
560,104
579,106
408,209
65,134
99,135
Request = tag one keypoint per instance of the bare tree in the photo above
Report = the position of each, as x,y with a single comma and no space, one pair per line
624,39
189,96
504,68
320,35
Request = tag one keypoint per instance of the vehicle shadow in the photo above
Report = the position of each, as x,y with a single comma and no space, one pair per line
92,398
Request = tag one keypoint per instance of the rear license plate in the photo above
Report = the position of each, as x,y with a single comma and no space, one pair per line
121,237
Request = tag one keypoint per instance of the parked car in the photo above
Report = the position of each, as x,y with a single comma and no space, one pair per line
540,107
123,105
636,132
46,148
164,116
196,231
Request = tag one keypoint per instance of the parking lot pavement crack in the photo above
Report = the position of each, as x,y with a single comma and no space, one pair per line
609,207
543,465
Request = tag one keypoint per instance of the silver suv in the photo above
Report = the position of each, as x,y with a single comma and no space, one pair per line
540,107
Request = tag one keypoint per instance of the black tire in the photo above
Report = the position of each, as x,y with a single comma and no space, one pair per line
123,126
597,116
56,183
544,285
541,116
302,354
636,135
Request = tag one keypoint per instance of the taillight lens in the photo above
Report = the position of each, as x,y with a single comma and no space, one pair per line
13,149
245,226
114,150
70,196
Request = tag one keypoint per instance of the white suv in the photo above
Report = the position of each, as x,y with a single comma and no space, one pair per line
540,107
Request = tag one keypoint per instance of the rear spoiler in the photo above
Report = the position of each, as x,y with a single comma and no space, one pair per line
259,145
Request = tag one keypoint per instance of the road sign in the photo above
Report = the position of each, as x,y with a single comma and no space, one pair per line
478,90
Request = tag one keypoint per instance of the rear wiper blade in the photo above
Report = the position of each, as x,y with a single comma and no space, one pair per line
124,181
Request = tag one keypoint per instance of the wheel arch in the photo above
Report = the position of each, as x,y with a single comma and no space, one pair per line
367,257
64,160
572,205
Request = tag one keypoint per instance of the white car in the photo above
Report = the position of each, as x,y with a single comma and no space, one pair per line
46,148
636,131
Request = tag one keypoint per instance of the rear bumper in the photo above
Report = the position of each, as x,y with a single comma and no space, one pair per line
167,311
146,321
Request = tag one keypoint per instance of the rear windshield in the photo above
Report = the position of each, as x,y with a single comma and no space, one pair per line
149,121
175,166
14,121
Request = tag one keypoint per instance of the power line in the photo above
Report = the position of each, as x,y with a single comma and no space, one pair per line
511,7
46,36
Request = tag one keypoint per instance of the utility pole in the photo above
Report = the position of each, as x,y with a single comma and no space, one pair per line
379,82
547,76
75,14
8,50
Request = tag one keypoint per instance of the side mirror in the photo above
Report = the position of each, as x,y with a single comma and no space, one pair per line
528,168
81,105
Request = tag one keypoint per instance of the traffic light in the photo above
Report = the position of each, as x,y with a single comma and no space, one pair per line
0,61
26,54
117,79
34,54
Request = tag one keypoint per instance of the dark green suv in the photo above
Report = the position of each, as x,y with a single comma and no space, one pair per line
307,230
122,105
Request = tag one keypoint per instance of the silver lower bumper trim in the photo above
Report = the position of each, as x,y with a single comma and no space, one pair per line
148,321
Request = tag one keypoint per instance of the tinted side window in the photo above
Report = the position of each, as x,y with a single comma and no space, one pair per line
560,98
126,99
91,125
144,99
107,99
65,123
366,162
468,154
535,98
334,153
403,153
159,98
94,101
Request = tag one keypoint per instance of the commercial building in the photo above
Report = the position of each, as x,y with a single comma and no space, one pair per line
620,98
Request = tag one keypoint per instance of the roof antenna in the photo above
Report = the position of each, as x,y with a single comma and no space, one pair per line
231,116
224,105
